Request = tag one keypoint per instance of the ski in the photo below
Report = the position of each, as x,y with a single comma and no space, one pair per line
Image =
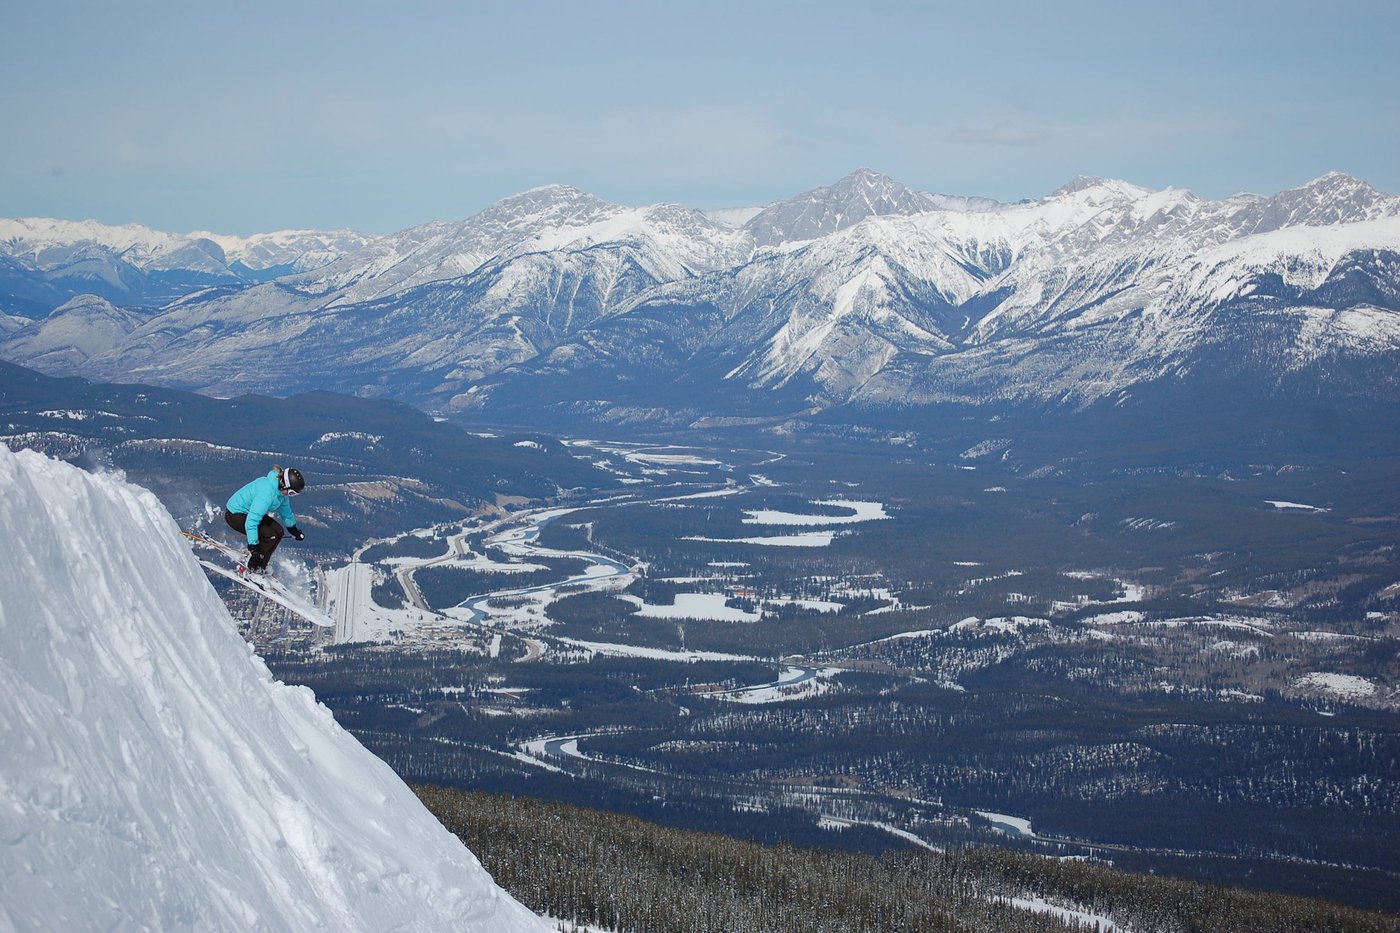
262,584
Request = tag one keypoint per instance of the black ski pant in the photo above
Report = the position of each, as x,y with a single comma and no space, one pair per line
269,536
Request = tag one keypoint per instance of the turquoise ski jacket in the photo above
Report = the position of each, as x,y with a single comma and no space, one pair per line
260,497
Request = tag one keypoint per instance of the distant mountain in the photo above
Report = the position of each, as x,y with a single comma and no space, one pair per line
672,241
69,336
555,308
45,262
861,194
1091,292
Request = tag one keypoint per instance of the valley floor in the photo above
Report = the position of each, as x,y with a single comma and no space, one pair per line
1179,672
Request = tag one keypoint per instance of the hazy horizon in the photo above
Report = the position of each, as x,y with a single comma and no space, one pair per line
263,117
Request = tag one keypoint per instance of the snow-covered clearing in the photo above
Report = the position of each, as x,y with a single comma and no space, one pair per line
1284,506
860,512
1132,592
660,654
803,539
1239,623
1345,686
972,625
79,415
1003,624
1012,825
1327,636
1126,617
818,605
704,606
671,460
895,603
1070,915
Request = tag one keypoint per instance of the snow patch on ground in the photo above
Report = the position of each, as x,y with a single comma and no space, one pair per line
860,512
709,606
1068,914
1239,623
1127,617
1345,686
819,605
1284,506
803,539
1004,624
1011,825
659,654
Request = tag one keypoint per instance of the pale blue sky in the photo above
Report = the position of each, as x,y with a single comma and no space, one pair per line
252,116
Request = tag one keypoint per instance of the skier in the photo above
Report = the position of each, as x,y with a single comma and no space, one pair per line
248,511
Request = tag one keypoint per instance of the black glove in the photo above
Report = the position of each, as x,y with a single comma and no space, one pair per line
257,563
295,532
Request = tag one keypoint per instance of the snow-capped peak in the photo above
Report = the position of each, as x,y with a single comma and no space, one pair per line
1330,199
547,203
820,211
30,235
1103,187
295,249
865,258
48,244
1337,183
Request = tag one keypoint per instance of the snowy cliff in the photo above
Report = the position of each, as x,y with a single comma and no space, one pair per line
153,775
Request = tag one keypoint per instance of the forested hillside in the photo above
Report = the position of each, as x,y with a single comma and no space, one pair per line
622,873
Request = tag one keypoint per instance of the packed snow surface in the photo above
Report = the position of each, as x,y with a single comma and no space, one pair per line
153,774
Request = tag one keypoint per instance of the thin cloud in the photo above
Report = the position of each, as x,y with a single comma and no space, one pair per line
1005,132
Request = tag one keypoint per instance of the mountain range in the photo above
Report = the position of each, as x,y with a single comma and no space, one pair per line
553,308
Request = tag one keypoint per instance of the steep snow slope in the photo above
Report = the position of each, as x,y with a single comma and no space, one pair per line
152,773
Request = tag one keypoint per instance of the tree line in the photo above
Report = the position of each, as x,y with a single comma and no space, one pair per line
621,873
